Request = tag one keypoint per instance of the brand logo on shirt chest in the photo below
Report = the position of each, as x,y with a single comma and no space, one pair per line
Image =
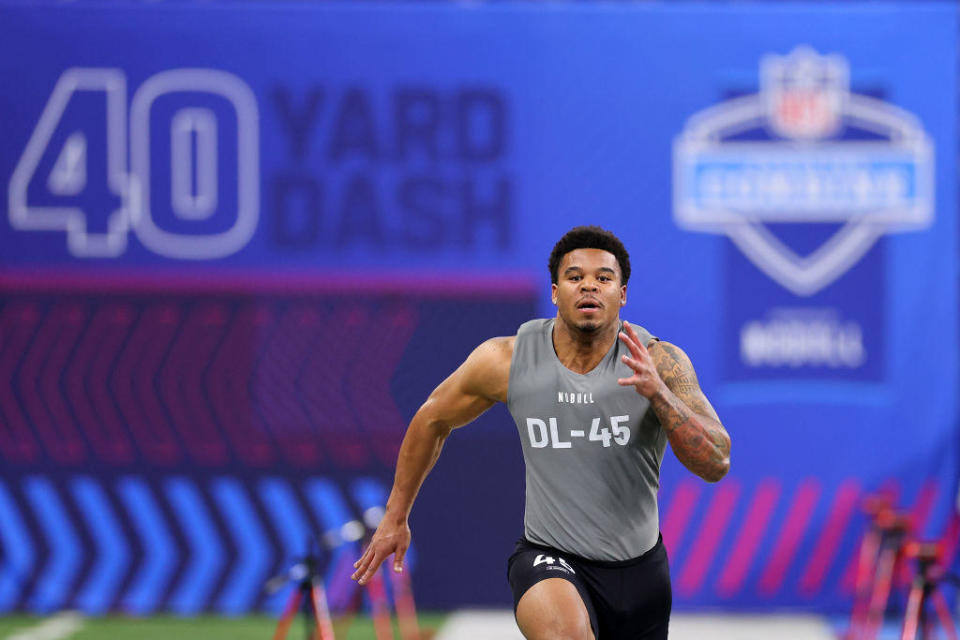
571,397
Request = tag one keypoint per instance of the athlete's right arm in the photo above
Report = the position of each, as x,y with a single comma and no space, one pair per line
473,388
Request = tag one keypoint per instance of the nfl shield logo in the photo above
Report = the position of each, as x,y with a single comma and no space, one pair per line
804,93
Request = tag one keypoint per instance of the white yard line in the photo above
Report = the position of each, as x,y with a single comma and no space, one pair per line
57,627
499,625
474,624
749,627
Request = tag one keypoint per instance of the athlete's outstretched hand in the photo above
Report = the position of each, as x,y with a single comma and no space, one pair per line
645,377
389,538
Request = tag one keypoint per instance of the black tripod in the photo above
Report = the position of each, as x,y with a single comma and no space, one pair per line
925,589
310,598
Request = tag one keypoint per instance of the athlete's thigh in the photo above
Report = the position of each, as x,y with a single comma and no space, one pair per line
551,609
549,599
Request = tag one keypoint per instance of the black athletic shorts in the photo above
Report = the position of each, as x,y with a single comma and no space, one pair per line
628,600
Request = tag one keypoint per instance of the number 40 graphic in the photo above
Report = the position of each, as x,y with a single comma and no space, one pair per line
195,180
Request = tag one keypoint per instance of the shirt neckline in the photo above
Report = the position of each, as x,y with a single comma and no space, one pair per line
592,372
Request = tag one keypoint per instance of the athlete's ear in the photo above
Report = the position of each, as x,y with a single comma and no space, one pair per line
553,294
623,295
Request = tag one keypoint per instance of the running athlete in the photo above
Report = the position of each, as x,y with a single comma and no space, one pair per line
595,401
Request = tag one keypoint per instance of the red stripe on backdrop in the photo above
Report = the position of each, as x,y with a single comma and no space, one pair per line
923,507
798,517
704,547
39,382
951,536
321,384
181,384
675,522
748,540
18,321
844,504
134,384
229,383
85,383
367,381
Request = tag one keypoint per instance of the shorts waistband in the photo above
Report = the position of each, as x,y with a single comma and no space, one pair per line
607,564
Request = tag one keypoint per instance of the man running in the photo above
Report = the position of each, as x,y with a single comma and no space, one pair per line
595,401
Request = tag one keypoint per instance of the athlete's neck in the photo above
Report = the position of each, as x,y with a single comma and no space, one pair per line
581,351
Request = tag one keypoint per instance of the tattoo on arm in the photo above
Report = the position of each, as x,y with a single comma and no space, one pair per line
696,435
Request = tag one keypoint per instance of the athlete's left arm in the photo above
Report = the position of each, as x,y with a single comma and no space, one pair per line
664,374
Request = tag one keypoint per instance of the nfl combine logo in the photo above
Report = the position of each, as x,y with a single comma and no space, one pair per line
803,150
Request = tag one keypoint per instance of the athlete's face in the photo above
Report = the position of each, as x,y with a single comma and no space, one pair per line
589,293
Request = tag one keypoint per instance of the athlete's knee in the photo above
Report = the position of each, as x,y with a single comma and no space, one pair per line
575,629
557,629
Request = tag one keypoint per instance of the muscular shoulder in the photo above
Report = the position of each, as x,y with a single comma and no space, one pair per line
496,350
487,370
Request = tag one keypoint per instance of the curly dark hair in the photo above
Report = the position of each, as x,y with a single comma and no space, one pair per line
589,237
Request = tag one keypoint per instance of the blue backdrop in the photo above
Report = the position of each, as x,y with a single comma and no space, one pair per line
216,213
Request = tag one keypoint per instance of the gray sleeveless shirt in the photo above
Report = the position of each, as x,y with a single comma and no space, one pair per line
592,450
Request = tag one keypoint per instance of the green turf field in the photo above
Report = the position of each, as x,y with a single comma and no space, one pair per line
199,628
